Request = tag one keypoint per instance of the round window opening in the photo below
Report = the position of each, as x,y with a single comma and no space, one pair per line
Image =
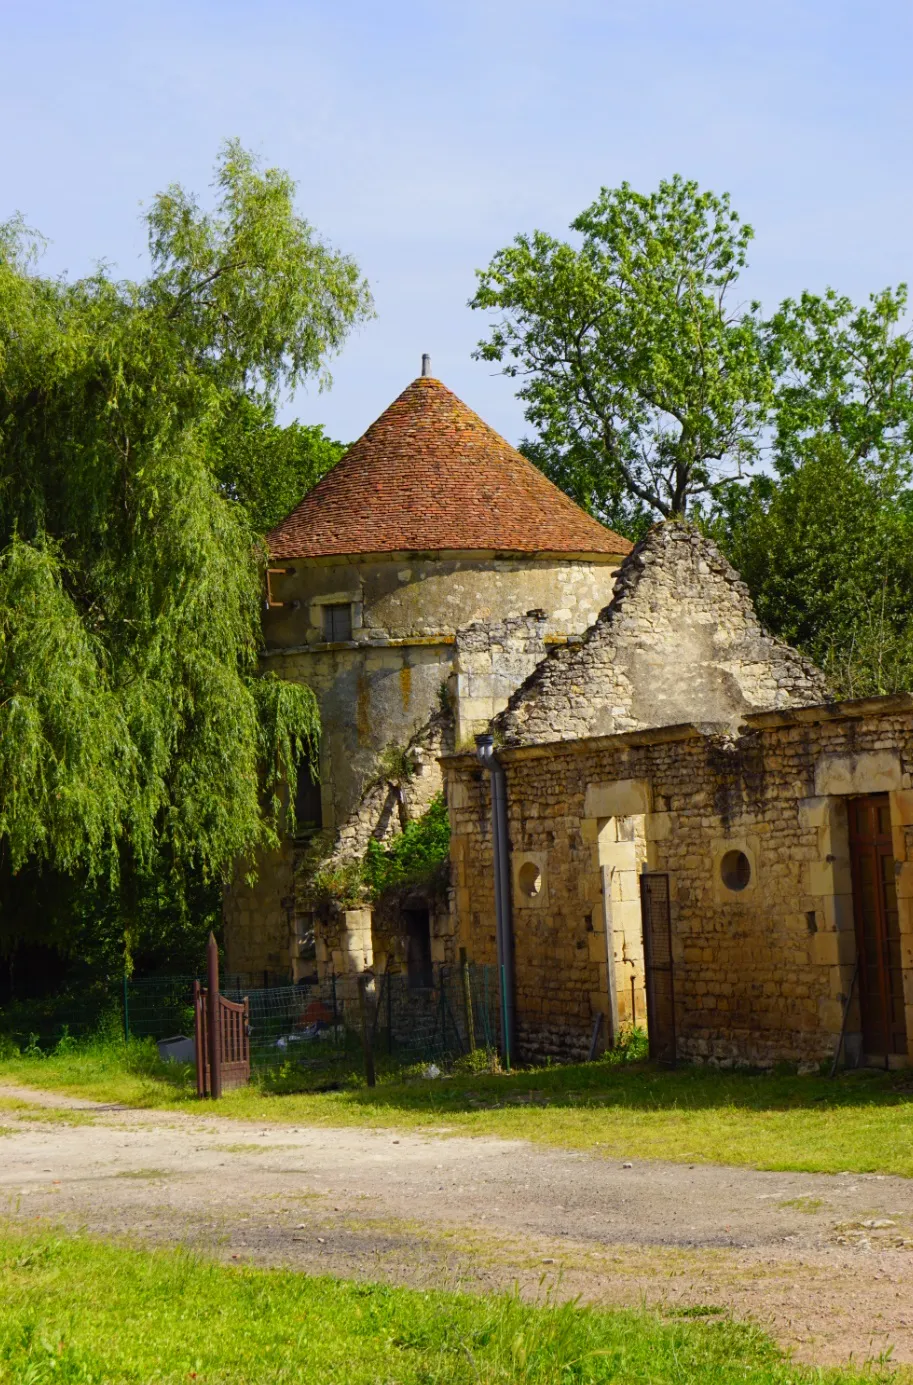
529,879
735,870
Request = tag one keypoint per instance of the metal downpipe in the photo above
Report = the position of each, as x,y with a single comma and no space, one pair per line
503,920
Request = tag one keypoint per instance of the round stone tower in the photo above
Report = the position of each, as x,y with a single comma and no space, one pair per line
414,589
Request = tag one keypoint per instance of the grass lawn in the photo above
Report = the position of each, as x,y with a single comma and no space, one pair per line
75,1310
861,1122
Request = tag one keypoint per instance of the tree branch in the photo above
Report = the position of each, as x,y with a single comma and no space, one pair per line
210,279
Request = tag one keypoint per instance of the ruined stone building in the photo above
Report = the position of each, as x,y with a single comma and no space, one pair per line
697,837
414,589
668,821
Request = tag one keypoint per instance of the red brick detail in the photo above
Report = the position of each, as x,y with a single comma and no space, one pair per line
429,475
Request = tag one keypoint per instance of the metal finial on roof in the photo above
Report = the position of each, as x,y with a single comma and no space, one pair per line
426,364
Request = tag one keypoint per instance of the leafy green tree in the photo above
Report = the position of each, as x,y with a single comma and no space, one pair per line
640,371
825,543
583,472
845,373
136,734
827,553
268,467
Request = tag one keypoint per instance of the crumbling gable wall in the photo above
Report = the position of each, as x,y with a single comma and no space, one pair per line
679,642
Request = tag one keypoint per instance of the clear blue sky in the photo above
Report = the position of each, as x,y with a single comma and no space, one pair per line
424,136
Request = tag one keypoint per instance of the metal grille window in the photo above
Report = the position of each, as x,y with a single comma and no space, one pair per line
337,623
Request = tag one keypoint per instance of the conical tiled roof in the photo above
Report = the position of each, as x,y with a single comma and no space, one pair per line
429,475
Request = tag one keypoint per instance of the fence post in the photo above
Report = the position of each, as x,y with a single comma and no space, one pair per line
389,986
366,1028
199,1037
126,1010
442,1008
215,1036
467,1002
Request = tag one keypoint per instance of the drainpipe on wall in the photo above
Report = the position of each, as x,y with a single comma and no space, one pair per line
485,751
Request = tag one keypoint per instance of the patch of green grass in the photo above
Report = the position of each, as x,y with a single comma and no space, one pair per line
241,1147
143,1173
860,1121
76,1310
55,1115
697,1310
803,1204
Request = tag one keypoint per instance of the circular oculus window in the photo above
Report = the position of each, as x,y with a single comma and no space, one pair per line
735,870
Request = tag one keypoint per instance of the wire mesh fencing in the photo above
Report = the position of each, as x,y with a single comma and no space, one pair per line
322,1027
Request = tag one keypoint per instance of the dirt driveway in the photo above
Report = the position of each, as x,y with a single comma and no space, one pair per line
824,1262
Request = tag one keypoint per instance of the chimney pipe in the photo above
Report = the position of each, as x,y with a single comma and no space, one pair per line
426,364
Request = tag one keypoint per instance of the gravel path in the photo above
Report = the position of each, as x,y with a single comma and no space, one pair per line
824,1262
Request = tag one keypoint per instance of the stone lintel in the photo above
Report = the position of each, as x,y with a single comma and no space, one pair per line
871,771
619,798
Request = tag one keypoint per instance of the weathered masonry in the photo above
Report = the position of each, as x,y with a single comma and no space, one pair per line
414,589
785,852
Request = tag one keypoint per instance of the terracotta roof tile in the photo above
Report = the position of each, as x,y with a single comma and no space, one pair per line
429,475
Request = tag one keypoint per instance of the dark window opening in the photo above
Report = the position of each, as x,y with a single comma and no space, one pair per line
337,623
308,806
418,948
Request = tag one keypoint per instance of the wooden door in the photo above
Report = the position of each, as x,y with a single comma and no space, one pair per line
656,915
884,1030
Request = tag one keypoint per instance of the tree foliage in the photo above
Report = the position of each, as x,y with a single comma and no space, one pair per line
416,856
827,552
647,384
640,373
267,467
134,725
825,543
844,373
583,472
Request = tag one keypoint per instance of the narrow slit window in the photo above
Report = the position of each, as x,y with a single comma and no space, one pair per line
337,623
308,804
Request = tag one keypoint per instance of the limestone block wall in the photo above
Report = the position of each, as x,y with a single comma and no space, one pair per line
427,594
439,642
761,973
390,936
382,686
623,853
680,641
491,660
257,918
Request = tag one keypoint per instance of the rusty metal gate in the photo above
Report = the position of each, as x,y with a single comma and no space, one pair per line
229,1066
222,1032
657,926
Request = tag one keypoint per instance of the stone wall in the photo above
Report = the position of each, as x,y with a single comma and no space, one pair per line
761,973
382,686
680,641
257,917
438,645
491,660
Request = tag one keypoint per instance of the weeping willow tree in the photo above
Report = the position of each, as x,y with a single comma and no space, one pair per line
138,741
